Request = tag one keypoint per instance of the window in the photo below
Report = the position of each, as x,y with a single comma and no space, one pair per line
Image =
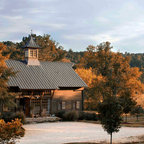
33,53
63,105
74,105
77,104
59,106
47,92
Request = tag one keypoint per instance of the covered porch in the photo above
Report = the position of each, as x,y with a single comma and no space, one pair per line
35,103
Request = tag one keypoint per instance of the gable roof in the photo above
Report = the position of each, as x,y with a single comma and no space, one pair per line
47,75
31,43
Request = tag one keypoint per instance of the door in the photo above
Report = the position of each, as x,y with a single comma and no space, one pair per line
27,107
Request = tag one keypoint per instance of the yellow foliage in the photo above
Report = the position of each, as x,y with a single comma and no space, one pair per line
11,131
87,75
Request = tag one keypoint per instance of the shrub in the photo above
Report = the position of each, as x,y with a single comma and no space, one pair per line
11,131
9,116
88,116
19,115
6,116
60,114
70,116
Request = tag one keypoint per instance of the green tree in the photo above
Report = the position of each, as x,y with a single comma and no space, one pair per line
127,103
110,112
137,110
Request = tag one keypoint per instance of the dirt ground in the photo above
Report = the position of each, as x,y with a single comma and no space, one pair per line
66,132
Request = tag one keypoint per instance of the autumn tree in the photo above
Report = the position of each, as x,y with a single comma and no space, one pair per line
117,75
91,94
6,98
50,49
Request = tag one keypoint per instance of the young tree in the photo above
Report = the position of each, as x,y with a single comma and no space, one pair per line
110,112
6,98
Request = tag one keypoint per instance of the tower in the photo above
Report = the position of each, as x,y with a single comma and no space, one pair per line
31,52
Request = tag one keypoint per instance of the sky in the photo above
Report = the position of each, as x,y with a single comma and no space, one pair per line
75,24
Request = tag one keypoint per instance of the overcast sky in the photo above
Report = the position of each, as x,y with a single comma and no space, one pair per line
76,24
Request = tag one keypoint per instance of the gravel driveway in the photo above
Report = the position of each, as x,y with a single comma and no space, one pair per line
62,132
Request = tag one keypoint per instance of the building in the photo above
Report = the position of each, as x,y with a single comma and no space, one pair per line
45,87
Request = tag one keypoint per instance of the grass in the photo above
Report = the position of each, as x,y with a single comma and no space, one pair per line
131,121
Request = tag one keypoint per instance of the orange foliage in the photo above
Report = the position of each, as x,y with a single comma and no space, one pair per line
11,131
87,75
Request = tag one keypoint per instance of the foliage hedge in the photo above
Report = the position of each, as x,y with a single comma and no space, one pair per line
74,115
9,116
11,131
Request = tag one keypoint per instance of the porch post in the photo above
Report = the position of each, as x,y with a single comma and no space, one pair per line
41,96
82,104
51,102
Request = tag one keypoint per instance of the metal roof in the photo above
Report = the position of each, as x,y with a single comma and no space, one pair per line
31,43
47,75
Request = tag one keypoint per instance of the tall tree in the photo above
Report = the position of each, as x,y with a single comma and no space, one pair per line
117,75
6,98
50,49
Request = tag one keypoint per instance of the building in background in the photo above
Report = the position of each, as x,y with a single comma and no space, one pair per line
44,87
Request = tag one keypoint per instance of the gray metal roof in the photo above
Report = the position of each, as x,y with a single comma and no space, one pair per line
47,75
31,43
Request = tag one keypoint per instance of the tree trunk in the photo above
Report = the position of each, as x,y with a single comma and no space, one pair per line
137,117
126,118
111,138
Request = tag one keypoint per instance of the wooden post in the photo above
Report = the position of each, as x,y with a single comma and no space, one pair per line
41,96
82,103
51,99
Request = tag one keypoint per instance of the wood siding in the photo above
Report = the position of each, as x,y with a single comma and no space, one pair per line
70,97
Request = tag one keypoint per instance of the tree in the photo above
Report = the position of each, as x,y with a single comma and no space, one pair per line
117,77
11,131
127,103
89,78
6,98
137,110
50,50
110,112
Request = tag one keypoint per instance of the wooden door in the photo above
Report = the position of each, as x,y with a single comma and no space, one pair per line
27,107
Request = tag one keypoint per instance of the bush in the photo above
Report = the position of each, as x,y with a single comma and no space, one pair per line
19,115
11,131
88,116
6,116
60,114
9,116
70,116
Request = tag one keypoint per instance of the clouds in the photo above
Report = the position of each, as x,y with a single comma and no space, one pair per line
76,23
